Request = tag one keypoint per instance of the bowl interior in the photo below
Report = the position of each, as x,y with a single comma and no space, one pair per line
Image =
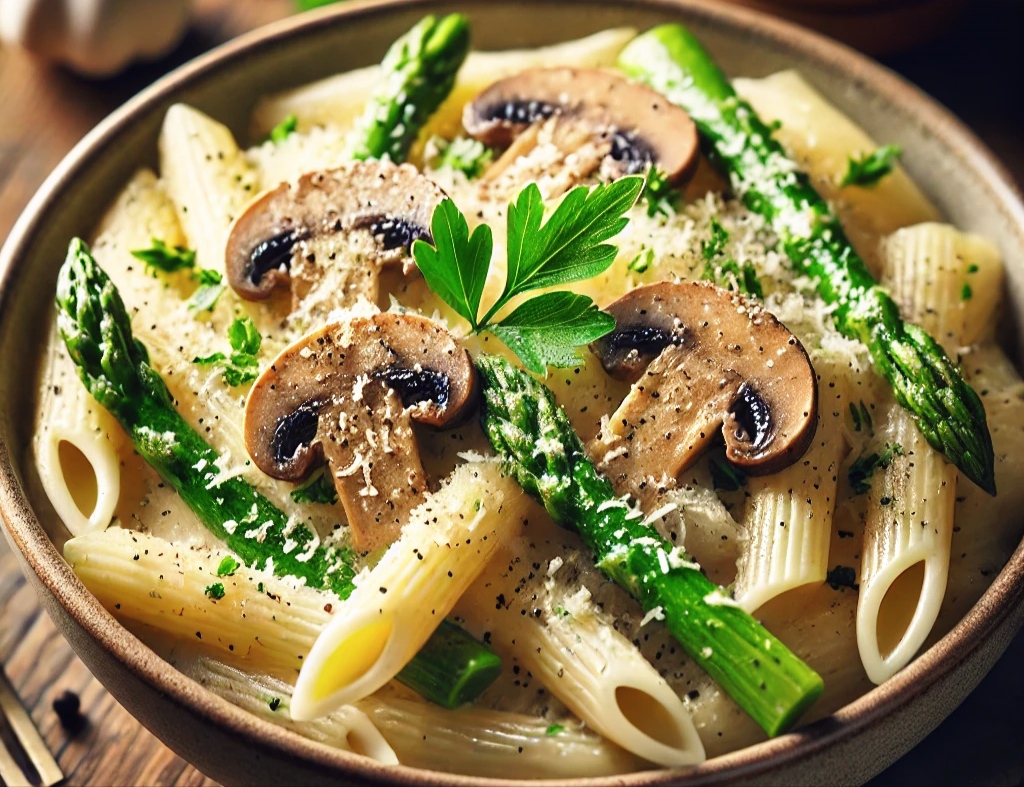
948,163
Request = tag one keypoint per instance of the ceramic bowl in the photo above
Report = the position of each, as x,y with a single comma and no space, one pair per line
235,748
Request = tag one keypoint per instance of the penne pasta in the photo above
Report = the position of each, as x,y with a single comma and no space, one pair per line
552,634
788,520
383,624
910,514
76,448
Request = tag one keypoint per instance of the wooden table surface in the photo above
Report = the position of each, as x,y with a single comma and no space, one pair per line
976,70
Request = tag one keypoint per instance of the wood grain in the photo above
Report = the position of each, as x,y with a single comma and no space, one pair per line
47,111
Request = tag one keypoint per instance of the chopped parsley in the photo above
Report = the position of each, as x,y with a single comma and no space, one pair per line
727,272
215,591
284,129
966,293
554,729
861,417
642,261
161,257
208,292
241,366
228,566
863,467
867,170
660,195
319,488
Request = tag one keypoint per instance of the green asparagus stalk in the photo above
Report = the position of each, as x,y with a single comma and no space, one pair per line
452,668
535,439
923,379
419,72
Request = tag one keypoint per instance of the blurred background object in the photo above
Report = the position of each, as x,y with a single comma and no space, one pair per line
877,27
94,37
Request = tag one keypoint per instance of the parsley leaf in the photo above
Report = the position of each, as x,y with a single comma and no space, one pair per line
160,256
228,566
728,272
546,330
241,366
870,168
864,467
284,129
215,591
641,262
570,245
318,489
208,292
861,417
455,267
554,729
468,156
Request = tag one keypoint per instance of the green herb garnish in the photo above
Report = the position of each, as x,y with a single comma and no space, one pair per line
868,169
660,195
642,261
208,292
161,257
241,366
284,129
966,293
215,591
554,729
318,489
570,246
228,566
863,467
861,417
725,271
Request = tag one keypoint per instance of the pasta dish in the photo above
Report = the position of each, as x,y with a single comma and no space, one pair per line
533,414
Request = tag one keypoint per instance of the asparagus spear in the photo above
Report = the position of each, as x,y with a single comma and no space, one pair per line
419,71
537,442
923,379
452,668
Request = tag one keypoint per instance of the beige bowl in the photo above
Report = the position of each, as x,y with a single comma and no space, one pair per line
236,748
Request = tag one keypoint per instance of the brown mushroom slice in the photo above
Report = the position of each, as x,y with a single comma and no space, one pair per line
603,120
701,358
349,393
286,234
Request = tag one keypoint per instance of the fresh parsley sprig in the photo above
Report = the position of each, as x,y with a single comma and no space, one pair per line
570,246
868,169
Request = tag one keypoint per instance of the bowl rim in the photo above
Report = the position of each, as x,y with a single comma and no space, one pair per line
38,553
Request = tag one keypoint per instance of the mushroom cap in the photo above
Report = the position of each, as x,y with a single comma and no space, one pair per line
341,363
393,202
349,393
700,357
642,126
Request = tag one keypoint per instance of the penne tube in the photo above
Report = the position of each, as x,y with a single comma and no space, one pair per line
949,283
75,448
255,619
557,637
207,178
788,520
347,728
399,603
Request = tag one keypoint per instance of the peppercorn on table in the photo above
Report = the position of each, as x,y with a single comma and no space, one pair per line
53,109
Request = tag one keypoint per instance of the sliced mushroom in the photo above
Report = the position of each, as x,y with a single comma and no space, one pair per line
592,118
701,358
350,393
297,231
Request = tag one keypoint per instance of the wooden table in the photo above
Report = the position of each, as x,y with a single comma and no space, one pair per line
977,71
